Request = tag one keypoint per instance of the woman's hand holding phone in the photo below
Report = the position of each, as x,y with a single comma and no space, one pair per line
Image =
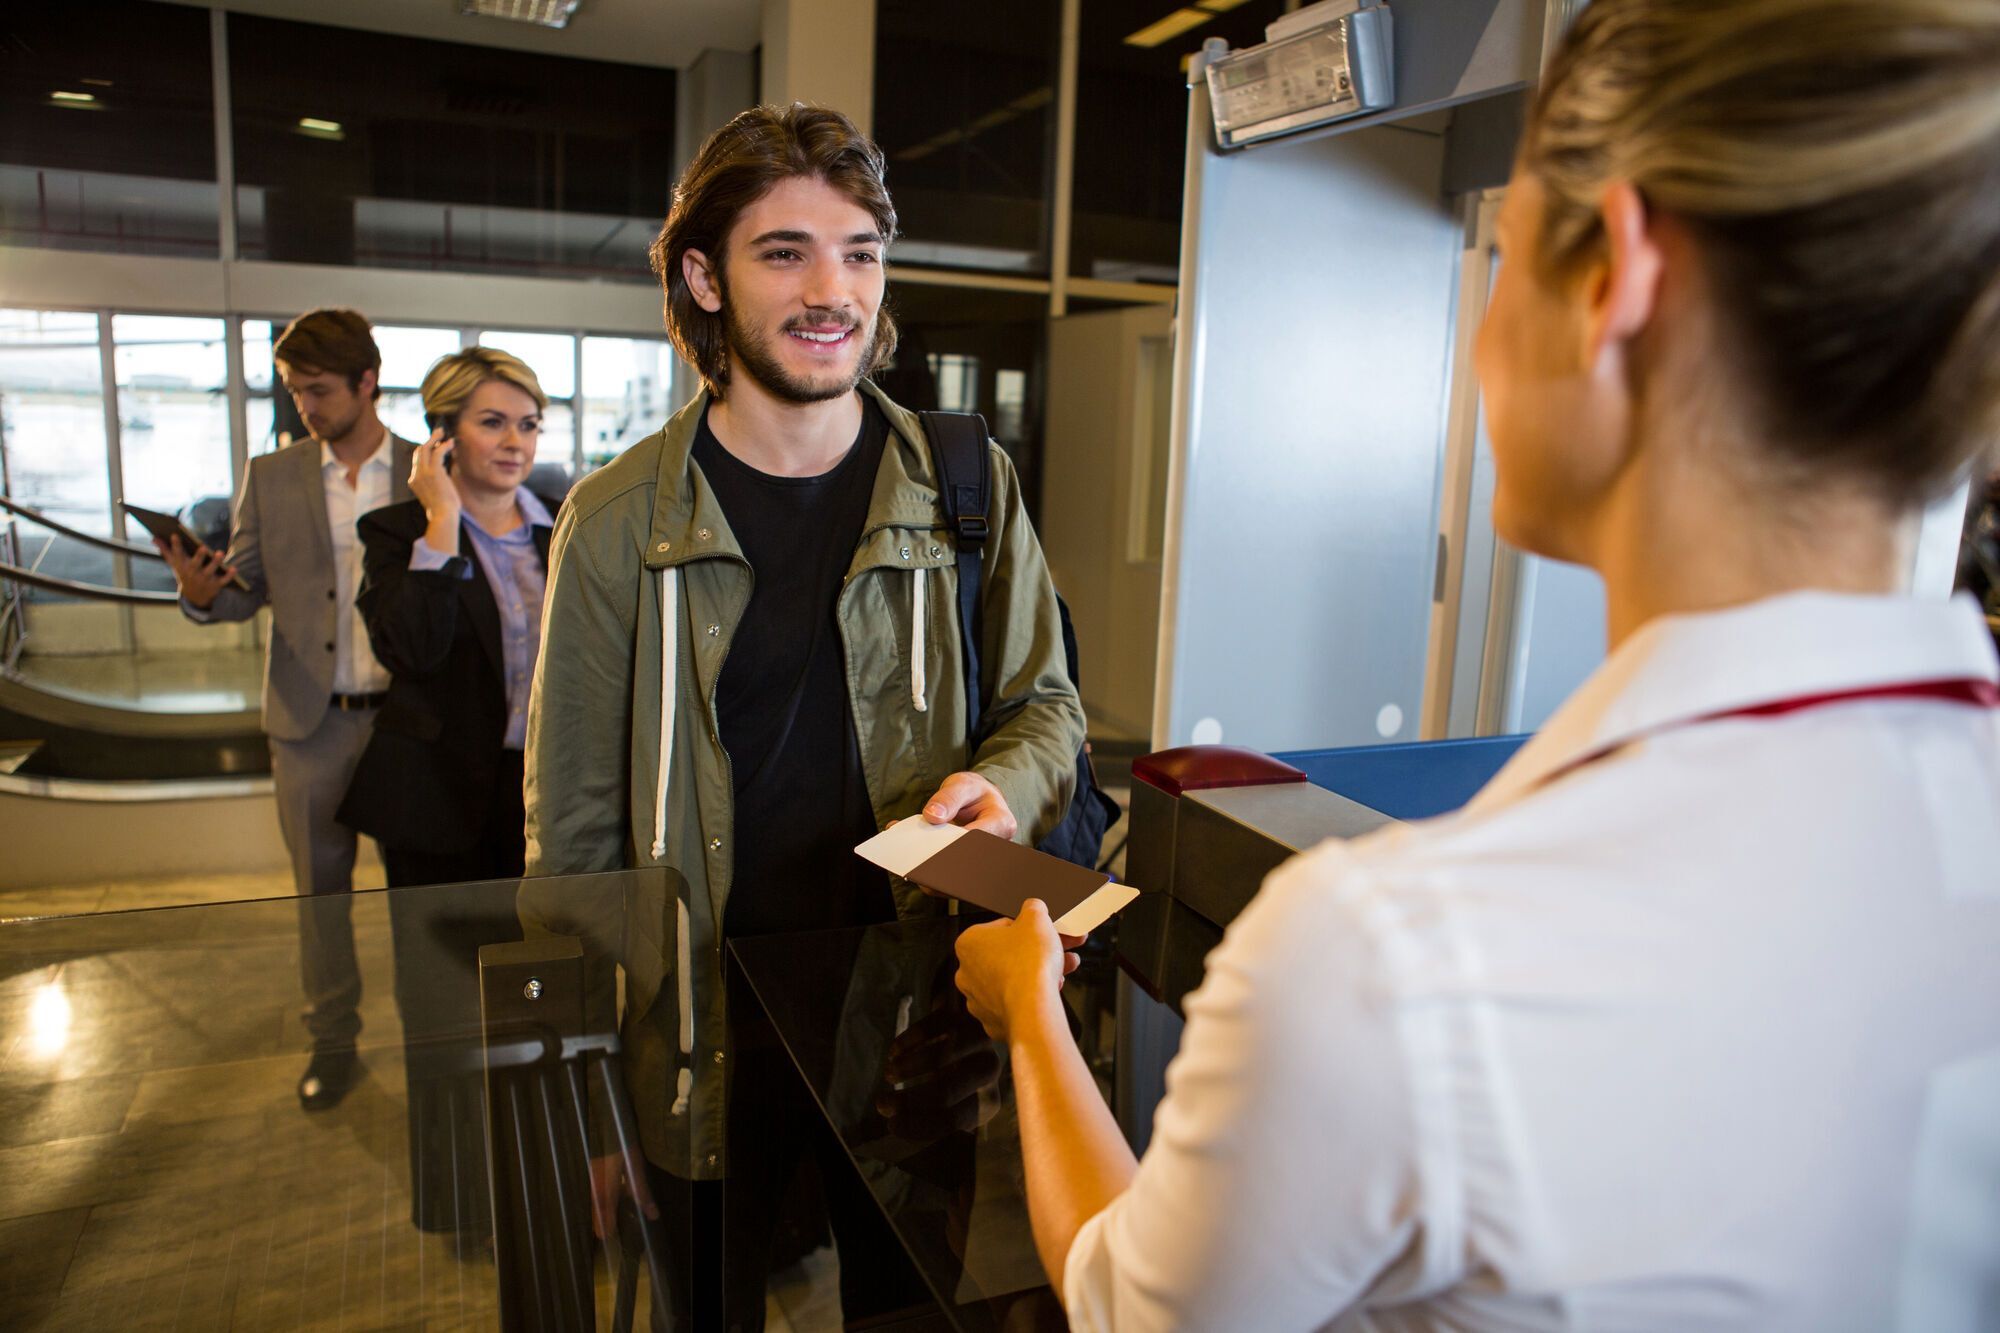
430,482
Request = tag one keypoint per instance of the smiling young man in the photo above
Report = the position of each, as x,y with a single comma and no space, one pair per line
751,663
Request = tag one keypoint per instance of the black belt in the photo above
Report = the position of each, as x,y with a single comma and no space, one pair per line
356,703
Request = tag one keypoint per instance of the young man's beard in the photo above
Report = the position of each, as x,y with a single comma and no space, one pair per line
749,355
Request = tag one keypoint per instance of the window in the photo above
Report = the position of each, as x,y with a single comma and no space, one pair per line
407,354
52,436
173,411
626,383
964,101
957,381
107,133
368,148
1131,132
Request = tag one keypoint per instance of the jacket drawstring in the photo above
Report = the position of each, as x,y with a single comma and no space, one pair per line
917,673
670,670
670,662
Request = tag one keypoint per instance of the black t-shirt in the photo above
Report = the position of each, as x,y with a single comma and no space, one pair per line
787,723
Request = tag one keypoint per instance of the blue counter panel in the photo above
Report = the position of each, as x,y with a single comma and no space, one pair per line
1413,781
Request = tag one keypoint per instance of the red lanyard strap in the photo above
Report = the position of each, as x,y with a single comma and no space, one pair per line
1972,690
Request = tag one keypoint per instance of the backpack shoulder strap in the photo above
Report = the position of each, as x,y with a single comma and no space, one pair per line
957,443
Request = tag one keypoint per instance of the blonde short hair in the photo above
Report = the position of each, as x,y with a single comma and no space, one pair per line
1837,163
454,378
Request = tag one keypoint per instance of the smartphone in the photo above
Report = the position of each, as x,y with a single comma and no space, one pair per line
438,422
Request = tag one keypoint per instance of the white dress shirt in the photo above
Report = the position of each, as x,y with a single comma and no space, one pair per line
355,670
1685,1022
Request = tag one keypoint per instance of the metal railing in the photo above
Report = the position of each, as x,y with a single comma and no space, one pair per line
16,576
112,544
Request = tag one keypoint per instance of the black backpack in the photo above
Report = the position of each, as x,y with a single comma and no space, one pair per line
958,453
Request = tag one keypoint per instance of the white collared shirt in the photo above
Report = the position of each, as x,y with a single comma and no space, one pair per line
1703,1033
355,670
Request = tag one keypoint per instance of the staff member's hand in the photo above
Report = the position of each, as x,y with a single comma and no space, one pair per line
432,485
972,801
1010,969
200,573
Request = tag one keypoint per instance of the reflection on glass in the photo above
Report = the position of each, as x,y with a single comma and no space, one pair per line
52,428
107,140
964,93
395,152
173,411
625,387
1131,132
48,1021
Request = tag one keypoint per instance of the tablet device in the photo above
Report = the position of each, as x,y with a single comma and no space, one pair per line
165,527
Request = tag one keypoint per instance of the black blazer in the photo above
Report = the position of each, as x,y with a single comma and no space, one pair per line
426,779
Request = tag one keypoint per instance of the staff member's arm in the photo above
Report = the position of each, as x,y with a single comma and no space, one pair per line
1283,1180
1024,773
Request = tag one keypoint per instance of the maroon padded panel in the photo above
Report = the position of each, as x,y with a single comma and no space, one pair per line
1200,767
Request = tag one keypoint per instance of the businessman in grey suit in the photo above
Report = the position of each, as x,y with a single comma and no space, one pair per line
293,545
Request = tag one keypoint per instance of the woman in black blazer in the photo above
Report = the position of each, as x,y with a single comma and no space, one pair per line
451,594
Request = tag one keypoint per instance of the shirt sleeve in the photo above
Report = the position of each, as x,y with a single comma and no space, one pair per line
1282,1173
425,559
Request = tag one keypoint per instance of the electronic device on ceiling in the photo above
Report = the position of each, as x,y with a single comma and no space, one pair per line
1322,63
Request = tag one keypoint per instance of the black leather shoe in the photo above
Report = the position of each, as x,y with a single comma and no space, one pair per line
327,1078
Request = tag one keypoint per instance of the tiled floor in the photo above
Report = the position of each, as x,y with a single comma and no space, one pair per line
156,1170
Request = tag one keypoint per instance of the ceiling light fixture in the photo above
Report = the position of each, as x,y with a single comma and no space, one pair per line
548,13
74,99
318,126
1168,28
1180,21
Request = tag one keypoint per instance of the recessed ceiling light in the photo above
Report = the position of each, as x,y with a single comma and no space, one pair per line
318,126
1168,28
75,99
548,13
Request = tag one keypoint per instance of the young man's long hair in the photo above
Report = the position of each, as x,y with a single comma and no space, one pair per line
740,162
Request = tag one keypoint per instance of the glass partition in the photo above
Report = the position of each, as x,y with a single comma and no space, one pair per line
157,1168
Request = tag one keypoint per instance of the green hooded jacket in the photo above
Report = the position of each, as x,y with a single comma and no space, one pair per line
624,710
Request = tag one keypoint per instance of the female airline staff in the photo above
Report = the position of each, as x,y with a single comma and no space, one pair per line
1655,1033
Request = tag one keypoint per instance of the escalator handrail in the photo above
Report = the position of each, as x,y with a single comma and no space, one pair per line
88,591
89,539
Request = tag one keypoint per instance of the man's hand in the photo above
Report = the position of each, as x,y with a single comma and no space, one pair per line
970,800
200,574
1010,970
607,1177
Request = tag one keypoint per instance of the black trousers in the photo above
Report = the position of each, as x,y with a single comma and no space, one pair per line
437,936
722,1232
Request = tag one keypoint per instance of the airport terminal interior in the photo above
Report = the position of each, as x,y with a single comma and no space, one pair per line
1209,272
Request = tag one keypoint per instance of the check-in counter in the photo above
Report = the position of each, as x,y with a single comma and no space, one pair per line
1209,822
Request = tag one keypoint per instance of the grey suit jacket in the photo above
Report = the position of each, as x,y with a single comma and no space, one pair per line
280,544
